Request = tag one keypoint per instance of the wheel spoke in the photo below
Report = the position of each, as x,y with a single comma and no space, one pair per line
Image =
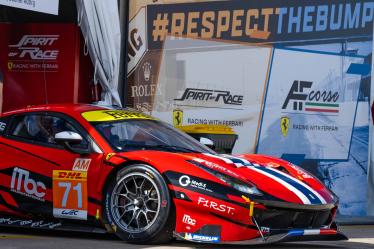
149,192
124,207
126,196
151,211
141,185
137,219
124,212
132,218
127,190
146,217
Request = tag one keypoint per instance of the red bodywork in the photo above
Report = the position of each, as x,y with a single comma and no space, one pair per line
210,205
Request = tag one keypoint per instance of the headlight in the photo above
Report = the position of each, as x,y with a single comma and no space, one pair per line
237,184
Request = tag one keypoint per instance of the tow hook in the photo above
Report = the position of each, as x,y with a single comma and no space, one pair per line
251,212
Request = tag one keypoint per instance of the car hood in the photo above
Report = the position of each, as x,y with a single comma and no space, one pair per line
278,179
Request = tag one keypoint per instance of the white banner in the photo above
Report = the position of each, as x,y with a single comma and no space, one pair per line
213,91
310,105
44,6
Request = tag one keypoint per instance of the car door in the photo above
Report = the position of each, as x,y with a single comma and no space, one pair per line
40,176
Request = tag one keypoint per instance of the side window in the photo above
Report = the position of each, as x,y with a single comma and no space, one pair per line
42,128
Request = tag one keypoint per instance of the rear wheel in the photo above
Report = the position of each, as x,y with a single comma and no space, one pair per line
139,206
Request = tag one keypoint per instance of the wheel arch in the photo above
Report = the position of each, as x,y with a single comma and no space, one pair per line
112,175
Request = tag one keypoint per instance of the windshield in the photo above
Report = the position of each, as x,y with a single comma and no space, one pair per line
137,134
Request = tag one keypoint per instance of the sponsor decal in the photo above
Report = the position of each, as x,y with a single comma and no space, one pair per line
70,214
23,184
30,223
303,99
301,172
211,96
147,67
204,121
177,117
188,220
215,206
81,164
215,166
145,85
254,22
203,238
186,181
146,90
2,126
285,124
34,53
113,115
306,99
70,198
265,230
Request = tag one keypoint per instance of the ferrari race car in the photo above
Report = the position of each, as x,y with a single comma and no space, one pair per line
97,169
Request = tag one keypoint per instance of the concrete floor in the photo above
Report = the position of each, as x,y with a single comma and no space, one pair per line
360,237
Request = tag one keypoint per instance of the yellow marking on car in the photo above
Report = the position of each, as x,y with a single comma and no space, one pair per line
251,205
251,208
113,115
109,156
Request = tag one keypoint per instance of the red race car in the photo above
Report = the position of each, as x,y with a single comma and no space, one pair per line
99,169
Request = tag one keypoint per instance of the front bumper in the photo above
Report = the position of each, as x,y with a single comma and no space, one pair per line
277,236
296,235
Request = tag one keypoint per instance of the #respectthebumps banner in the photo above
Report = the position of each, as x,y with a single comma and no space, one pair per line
290,79
260,21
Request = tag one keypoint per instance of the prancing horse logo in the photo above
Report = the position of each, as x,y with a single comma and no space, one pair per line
285,124
177,117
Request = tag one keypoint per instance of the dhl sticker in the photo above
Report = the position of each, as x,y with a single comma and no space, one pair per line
70,175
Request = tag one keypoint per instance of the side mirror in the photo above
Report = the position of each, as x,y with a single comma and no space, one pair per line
69,138
207,142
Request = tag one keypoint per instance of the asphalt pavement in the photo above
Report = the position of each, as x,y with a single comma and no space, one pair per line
360,237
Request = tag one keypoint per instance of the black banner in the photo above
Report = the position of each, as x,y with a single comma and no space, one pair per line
265,21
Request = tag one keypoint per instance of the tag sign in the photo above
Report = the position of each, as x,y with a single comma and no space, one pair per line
70,198
81,164
44,6
137,40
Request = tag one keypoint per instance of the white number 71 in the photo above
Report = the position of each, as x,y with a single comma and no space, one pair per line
67,186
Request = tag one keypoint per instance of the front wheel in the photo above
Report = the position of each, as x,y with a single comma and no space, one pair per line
139,206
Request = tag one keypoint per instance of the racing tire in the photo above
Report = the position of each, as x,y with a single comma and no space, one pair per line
138,206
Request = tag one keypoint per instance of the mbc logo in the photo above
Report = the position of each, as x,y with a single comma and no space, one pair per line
29,187
188,220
